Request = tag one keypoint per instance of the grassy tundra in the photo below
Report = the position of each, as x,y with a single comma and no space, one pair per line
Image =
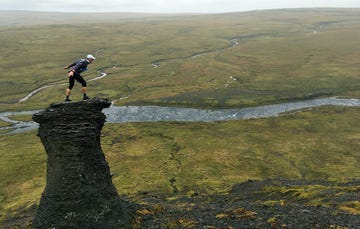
279,55
282,55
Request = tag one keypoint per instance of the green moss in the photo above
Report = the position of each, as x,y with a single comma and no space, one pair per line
315,195
3,124
23,170
352,207
24,118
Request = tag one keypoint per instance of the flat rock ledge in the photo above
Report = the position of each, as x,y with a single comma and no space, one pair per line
79,192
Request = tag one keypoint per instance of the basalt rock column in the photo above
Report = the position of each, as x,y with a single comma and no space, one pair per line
79,192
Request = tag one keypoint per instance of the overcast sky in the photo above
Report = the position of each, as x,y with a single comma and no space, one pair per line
167,6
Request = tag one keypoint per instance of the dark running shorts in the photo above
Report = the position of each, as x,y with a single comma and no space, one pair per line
78,78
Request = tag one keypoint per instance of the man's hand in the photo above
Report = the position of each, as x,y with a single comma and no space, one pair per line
70,74
66,67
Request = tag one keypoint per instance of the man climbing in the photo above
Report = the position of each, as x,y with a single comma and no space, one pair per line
74,74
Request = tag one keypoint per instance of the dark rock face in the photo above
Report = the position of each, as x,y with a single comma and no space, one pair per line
79,192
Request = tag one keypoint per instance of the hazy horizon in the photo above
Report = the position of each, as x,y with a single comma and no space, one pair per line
164,6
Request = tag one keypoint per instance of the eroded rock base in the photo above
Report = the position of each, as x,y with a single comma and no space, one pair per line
79,192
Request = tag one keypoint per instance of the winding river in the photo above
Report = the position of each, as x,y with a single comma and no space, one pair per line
233,42
124,114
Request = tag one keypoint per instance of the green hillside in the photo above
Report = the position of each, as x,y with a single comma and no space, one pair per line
175,159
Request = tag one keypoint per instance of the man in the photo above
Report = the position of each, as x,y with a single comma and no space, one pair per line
74,74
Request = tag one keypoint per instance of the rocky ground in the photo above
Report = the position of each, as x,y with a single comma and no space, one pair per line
253,204
257,204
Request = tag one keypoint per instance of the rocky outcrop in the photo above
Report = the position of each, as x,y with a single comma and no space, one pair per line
79,192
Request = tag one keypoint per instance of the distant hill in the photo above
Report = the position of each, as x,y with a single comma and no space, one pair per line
14,17
44,18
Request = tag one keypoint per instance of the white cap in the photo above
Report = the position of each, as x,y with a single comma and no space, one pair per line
90,57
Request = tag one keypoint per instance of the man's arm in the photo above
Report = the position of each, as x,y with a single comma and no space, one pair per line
69,66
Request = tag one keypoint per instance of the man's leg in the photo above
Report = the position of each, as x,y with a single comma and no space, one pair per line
68,90
84,88
68,93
